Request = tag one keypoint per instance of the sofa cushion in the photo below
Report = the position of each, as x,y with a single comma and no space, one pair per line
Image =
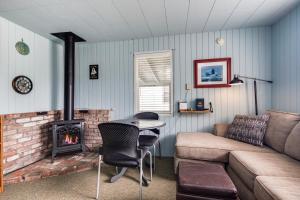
221,129
248,165
208,147
269,188
280,126
292,145
249,129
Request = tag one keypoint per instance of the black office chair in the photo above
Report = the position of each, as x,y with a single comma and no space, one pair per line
120,149
150,140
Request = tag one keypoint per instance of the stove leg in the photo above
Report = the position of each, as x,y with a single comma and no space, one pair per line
52,157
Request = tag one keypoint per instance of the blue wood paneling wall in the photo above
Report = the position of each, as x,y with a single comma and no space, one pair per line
250,49
44,66
286,63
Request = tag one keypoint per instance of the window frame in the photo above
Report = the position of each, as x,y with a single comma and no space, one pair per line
136,84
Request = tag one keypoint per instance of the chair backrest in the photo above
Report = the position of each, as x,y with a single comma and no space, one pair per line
146,115
119,138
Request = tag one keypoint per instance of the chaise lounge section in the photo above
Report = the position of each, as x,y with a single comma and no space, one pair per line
268,172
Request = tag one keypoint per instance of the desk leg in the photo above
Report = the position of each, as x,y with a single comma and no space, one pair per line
119,175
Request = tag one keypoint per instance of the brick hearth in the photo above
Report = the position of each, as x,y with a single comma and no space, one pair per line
27,136
62,165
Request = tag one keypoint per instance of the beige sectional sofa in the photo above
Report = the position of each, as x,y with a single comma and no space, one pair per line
262,173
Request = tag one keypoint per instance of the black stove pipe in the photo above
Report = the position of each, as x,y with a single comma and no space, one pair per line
69,39
69,78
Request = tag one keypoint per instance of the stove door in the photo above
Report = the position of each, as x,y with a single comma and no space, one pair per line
68,135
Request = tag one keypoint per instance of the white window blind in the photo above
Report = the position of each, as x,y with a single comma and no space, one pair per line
153,82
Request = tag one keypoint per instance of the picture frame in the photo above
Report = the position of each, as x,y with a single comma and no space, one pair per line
94,72
212,73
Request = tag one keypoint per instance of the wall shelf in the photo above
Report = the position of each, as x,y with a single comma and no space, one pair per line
195,111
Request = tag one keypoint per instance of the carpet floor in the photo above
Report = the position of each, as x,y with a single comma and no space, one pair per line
83,186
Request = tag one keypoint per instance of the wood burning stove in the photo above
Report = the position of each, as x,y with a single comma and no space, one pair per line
68,134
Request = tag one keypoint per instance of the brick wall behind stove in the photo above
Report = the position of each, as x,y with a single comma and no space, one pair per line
28,138
92,119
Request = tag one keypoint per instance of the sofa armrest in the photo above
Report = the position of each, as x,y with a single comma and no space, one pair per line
221,129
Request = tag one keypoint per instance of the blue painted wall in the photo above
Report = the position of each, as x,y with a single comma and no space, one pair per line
286,62
44,66
249,48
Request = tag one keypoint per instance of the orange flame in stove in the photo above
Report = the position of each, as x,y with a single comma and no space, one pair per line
69,139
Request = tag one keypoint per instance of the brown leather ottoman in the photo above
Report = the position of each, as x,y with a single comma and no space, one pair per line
205,181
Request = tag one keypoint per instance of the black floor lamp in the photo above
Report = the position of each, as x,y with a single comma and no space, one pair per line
237,81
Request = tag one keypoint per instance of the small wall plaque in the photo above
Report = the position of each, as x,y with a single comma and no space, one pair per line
94,72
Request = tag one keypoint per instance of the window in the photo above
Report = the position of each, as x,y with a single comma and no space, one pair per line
153,82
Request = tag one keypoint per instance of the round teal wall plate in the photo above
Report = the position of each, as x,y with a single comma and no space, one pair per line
22,48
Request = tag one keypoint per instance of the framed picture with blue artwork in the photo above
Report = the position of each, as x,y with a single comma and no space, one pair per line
212,73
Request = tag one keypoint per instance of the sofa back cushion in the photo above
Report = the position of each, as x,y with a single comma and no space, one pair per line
280,126
292,145
249,129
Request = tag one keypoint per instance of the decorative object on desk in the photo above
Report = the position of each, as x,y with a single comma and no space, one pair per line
211,107
237,81
182,106
212,73
22,48
94,72
200,104
22,84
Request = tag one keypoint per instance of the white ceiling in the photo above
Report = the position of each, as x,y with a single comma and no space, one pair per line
98,20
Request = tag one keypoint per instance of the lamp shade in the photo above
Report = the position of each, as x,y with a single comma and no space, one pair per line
236,80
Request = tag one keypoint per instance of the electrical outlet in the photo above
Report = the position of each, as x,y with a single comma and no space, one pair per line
188,86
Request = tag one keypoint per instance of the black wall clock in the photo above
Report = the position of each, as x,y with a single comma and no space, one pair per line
22,84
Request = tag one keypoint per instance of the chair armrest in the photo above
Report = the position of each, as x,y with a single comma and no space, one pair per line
221,129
